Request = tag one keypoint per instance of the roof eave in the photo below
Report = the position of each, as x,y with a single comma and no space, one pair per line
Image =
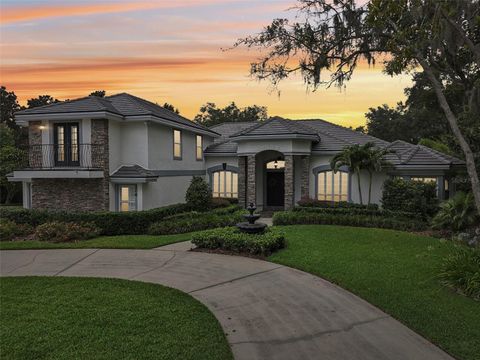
23,119
171,123
292,136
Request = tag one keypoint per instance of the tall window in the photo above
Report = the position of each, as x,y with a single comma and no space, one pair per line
225,184
199,147
127,197
177,144
332,186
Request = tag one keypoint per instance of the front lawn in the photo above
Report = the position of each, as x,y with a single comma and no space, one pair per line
79,318
396,271
103,242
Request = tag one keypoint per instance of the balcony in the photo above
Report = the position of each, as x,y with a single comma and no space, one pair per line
64,156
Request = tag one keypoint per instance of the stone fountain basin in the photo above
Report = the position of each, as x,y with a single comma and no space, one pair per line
248,228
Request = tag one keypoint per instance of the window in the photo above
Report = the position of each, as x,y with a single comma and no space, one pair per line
199,147
277,164
177,144
127,198
66,146
332,186
225,184
425,179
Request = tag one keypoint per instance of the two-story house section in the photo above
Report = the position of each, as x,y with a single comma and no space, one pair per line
123,153
117,153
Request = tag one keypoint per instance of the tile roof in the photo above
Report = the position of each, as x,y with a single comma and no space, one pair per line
121,104
133,171
333,138
276,126
85,104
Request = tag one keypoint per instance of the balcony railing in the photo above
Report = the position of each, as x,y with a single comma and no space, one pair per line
48,156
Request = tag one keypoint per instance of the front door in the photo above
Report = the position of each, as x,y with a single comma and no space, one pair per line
66,144
275,188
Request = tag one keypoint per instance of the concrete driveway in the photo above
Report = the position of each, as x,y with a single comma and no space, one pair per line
268,311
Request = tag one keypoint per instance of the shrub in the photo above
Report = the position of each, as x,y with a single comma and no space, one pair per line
220,202
411,196
358,211
231,239
110,223
457,213
9,230
302,217
199,195
56,231
310,202
197,221
461,272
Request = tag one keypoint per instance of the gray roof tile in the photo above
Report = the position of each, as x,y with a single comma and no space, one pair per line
333,138
121,104
133,171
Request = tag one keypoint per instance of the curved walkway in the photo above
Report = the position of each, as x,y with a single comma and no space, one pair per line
268,311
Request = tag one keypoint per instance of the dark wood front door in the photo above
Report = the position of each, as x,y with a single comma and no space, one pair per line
275,188
66,144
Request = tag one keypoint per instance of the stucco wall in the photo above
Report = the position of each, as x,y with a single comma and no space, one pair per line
283,146
133,144
165,191
160,149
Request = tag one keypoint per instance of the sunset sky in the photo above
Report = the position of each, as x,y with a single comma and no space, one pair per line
166,51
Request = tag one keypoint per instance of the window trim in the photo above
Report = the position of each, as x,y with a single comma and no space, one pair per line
324,168
197,147
180,143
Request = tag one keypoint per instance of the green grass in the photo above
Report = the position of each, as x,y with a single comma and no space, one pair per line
104,242
396,271
80,318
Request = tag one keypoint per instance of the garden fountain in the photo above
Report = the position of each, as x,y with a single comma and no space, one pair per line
250,226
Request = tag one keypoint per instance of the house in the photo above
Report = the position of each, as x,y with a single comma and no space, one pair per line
123,153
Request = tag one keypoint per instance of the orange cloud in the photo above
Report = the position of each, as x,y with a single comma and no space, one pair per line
12,14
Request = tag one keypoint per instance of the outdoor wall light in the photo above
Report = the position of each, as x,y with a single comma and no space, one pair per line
224,166
42,127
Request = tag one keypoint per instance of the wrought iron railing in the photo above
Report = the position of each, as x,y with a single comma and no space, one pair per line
48,156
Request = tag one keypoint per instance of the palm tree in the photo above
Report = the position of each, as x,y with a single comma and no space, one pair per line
353,157
374,161
361,157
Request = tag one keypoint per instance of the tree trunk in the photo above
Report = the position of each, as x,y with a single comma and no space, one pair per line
359,187
370,174
452,120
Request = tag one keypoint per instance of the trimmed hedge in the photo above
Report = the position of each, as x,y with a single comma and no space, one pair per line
314,203
109,223
231,239
358,211
303,217
194,221
412,196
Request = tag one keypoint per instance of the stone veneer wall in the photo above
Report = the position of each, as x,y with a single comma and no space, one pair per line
77,194
100,138
68,194
35,142
305,177
289,182
242,163
251,182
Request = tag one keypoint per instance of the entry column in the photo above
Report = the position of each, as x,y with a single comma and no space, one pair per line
305,183
289,182
251,183
242,179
